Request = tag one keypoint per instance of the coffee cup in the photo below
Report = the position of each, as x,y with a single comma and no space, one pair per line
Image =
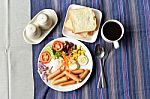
112,31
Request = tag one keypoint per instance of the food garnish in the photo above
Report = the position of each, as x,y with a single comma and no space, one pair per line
54,55
74,65
56,64
57,46
82,60
78,51
50,50
68,47
45,57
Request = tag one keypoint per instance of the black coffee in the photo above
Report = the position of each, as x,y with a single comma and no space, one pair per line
112,31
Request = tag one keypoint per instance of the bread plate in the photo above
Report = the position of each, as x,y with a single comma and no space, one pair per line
52,16
88,66
70,34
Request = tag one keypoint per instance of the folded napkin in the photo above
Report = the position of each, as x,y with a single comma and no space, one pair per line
126,69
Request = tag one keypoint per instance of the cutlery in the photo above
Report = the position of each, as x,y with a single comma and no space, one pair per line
102,55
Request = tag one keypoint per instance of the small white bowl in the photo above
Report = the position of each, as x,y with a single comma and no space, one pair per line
93,38
52,16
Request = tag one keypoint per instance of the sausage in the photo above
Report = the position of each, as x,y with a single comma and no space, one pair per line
85,73
58,81
78,71
57,72
67,83
72,76
58,76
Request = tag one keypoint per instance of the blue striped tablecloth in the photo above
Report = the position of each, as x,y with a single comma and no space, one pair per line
127,68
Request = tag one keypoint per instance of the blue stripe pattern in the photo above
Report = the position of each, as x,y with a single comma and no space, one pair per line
127,68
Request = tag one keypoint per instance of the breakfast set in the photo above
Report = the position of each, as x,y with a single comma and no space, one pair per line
65,63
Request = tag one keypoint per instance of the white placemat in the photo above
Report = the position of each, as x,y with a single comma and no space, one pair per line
16,79
3,57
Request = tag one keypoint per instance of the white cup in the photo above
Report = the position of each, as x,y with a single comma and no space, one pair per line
115,42
32,31
43,21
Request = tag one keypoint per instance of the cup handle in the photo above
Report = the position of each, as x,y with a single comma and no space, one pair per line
116,44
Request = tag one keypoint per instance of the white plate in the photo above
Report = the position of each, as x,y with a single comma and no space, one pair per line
72,35
52,15
88,66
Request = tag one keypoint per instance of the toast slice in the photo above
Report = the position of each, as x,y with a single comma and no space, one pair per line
83,34
83,20
86,35
68,25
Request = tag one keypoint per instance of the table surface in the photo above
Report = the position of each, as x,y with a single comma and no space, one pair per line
127,68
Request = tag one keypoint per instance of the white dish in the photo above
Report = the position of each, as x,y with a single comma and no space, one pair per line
88,66
72,35
52,15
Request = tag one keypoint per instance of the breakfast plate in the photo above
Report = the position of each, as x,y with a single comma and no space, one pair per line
52,16
65,64
71,34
